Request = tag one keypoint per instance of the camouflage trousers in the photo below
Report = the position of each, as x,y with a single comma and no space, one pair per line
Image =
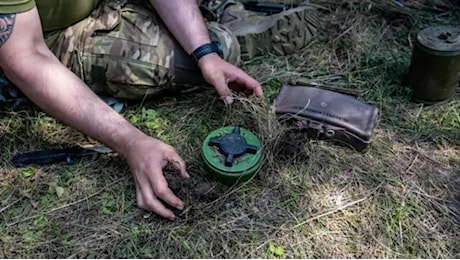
123,49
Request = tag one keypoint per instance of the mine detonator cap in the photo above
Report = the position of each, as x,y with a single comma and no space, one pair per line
205,49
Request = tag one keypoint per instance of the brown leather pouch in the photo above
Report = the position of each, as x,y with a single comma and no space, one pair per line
325,114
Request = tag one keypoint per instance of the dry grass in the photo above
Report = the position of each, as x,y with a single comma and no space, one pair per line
401,199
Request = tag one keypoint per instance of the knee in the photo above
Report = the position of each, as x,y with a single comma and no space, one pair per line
228,41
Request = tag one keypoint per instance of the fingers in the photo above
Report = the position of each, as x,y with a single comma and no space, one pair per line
239,82
250,85
179,164
147,200
162,191
221,74
220,84
148,193
152,191
256,88
157,207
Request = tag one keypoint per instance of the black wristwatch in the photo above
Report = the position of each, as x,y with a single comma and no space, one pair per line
213,47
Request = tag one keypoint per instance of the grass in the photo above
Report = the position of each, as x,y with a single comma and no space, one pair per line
401,199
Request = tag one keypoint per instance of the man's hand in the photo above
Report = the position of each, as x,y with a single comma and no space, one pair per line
188,27
225,76
147,157
60,93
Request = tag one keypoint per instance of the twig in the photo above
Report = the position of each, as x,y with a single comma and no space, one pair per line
331,212
342,34
426,156
411,164
259,247
66,205
423,193
384,246
401,234
14,202
339,208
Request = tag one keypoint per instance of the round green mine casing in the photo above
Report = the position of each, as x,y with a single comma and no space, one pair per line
434,71
243,166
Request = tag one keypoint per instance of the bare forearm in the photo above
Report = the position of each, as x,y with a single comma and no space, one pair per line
190,30
61,94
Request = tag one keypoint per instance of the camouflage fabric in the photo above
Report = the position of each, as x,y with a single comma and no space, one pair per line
124,50
228,41
281,33
213,10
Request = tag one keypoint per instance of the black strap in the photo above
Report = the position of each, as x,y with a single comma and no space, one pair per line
205,49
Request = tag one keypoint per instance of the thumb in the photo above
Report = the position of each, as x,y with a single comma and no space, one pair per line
223,91
179,164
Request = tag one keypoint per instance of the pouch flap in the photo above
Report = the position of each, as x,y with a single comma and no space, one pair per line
328,107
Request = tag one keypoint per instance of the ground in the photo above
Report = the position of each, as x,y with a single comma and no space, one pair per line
400,199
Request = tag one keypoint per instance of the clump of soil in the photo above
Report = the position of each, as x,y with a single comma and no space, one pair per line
291,145
198,188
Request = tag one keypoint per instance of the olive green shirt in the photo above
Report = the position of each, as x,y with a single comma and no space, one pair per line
54,14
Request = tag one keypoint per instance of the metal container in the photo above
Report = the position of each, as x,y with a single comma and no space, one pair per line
434,71
232,154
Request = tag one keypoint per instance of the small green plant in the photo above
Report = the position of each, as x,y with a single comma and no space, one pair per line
276,251
29,237
29,171
273,86
46,200
54,188
34,232
108,203
149,118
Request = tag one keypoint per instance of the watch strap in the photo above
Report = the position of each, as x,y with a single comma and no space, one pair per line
213,47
